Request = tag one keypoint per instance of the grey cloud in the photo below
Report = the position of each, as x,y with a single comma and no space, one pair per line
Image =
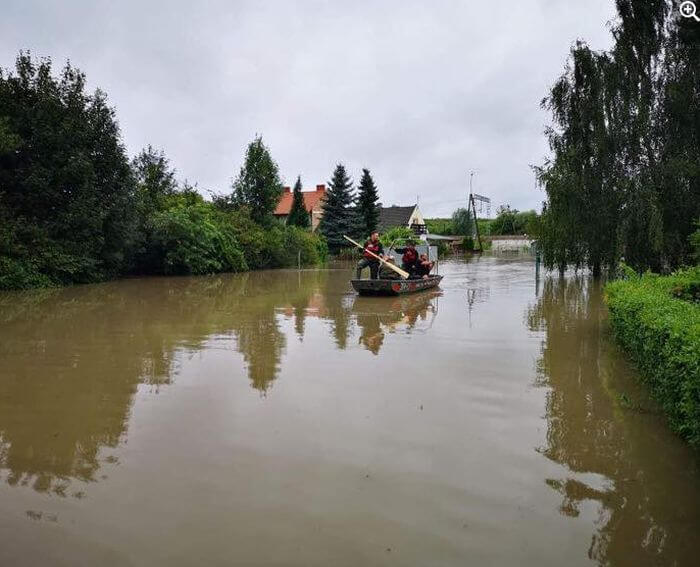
419,92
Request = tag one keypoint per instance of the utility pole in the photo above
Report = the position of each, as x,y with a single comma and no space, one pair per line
473,208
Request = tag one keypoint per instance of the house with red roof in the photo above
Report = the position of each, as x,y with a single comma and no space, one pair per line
313,203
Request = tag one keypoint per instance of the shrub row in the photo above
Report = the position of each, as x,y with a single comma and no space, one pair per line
188,236
661,333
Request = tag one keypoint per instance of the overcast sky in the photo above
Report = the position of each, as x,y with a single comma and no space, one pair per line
419,92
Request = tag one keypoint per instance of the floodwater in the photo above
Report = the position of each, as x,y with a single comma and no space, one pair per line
274,418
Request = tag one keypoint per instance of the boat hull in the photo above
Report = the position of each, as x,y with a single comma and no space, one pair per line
394,287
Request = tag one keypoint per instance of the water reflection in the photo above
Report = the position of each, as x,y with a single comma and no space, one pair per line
605,431
74,358
377,316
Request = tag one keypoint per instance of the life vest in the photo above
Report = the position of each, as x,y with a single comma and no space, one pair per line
374,247
410,256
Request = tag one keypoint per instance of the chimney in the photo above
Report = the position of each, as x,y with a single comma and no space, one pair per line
287,189
321,187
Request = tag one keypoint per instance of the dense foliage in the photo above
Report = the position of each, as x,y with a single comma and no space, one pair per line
397,236
338,215
624,178
462,222
298,215
439,226
512,221
507,221
694,239
657,320
276,245
367,204
445,226
66,188
73,209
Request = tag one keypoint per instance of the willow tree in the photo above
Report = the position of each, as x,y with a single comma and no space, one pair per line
581,218
679,151
624,175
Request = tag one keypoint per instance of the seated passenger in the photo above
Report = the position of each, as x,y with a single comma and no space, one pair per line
409,258
423,266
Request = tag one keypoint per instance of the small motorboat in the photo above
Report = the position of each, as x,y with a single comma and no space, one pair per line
394,287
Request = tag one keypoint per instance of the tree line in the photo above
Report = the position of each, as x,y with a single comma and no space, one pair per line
623,181
75,209
508,221
345,213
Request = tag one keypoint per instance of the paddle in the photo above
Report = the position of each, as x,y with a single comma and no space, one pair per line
398,270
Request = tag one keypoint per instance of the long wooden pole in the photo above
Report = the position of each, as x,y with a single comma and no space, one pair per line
398,270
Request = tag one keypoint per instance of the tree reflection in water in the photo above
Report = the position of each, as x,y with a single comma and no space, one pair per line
376,316
73,358
618,453
65,387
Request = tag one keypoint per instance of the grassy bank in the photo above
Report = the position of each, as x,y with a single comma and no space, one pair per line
657,321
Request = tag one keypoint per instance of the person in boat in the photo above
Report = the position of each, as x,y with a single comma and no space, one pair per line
375,247
424,266
409,260
386,273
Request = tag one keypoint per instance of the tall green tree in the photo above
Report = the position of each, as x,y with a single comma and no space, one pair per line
367,204
298,215
66,189
462,222
155,178
338,216
582,146
625,172
258,186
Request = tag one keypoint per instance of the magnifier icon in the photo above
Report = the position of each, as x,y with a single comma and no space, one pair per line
688,9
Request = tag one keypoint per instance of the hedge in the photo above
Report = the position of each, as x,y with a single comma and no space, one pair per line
658,324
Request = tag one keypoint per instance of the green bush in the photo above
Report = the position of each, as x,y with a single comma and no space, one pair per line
443,248
18,274
276,245
188,240
440,226
397,235
29,258
301,240
694,239
662,335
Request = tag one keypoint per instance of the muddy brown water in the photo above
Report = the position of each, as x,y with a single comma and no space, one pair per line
274,418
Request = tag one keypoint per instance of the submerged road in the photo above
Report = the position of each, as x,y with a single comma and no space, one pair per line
274,418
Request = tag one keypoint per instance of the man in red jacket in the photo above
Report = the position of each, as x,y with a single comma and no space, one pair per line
372,245
409,260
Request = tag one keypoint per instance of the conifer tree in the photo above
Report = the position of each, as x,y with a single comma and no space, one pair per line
258,186
367,204
298,215
337,212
